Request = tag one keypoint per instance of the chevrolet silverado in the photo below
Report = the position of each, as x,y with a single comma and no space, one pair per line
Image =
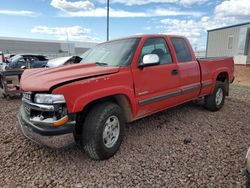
117,82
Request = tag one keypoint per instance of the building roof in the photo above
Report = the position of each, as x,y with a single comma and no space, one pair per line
76,43
226,27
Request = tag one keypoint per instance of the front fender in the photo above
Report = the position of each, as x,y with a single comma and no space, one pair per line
80,93
87,98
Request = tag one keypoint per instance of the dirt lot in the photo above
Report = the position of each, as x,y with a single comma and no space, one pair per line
186,146
242,75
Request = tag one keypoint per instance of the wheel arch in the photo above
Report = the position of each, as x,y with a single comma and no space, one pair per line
222,76
120,99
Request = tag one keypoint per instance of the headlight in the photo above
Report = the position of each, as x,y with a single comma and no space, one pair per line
49,98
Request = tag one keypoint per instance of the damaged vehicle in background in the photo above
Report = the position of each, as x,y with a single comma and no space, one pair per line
8,56
21,61
2,58
117,82
61,61
2,66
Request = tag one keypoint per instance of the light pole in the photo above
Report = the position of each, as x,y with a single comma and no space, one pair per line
107,20
68,41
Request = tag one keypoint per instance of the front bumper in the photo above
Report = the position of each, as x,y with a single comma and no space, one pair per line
54,137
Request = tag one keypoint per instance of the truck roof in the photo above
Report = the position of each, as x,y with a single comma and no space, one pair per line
144,36
151,35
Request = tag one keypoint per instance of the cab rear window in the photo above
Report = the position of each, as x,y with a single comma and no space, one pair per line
181,49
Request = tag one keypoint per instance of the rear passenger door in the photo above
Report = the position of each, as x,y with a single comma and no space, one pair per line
189,69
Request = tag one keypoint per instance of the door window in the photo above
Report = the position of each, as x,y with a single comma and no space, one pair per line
181,49
157,46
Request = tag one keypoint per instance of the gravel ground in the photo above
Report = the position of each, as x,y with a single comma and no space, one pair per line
186,146
241,74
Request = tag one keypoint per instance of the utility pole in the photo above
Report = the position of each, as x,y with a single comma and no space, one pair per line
107,20
68,41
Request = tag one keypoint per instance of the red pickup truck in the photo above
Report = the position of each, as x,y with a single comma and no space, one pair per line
117,82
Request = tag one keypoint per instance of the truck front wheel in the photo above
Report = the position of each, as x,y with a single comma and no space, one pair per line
215,101
103,131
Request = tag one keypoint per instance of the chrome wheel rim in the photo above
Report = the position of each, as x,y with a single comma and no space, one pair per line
219,96
111,131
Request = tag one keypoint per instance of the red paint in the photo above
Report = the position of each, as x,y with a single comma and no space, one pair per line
137,84
43,79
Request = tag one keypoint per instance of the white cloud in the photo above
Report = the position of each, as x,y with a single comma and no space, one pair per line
19,13
191,2
166,12
72,6
148,28
144,2
62,33
234,8
85,9
139,2
195,30
102,12
138,34
226,13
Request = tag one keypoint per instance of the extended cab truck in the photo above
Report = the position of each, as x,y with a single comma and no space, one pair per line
117,82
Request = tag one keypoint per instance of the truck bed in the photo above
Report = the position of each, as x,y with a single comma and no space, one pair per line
215,64
211,67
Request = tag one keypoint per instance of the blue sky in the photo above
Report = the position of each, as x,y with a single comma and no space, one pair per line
85,20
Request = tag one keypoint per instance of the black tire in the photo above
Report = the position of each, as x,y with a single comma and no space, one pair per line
210,100
94,126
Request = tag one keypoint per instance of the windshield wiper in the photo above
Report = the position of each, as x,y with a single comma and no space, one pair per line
101,64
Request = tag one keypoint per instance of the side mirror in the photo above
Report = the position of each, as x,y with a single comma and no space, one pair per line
150,59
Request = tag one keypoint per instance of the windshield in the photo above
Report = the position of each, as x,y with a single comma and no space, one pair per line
113,53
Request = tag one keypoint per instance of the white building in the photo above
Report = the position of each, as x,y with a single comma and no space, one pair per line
51,48
231,41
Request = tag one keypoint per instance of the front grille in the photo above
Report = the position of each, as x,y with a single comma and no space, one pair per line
27,95
43,111
26,109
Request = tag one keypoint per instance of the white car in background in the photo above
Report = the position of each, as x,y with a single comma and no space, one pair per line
61,61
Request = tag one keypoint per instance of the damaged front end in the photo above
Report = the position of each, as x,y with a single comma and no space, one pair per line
44,119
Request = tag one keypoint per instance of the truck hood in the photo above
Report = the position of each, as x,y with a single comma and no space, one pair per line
43,79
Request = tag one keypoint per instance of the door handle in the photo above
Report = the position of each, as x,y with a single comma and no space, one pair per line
174,72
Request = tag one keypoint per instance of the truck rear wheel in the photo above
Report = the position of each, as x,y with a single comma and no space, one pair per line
215,101
103,131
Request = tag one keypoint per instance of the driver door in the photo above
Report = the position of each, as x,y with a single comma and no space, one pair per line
156,86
